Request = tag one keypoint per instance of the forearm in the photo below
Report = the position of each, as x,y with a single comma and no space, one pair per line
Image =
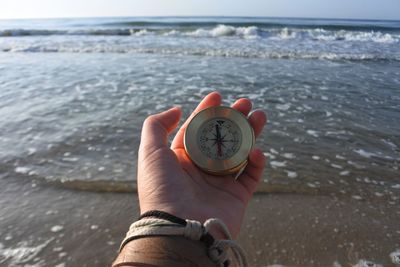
172,251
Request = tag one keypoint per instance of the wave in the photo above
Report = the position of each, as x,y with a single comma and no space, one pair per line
218,31
34,32
222,30
97,185
131,186
349,36
385,26
208,52
264,187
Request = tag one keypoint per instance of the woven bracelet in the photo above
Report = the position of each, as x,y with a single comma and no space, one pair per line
159,223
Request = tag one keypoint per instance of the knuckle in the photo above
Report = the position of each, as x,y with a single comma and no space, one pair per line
150,120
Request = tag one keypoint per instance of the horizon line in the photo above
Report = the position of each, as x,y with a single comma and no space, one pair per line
196,16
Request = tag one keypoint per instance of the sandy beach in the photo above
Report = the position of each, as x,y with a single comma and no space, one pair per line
44,225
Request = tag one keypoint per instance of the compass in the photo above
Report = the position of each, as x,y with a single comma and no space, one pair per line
218,140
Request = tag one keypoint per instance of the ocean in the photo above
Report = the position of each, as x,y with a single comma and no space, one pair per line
74,94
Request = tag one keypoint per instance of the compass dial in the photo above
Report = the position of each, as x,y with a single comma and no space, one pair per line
219,138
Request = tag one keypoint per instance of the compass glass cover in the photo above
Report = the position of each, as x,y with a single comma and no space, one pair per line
219,138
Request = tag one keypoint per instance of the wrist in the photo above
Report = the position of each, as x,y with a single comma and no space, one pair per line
156,223
164,251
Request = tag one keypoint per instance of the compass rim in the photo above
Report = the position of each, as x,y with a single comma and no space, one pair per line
216,166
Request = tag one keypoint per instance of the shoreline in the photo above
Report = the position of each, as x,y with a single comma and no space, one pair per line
52,226
370,193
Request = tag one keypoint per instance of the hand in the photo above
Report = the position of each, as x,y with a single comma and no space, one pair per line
169,181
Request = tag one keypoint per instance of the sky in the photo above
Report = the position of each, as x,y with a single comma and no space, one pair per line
350,9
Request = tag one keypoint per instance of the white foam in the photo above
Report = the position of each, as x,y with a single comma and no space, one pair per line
141,32
23,170
377,37
365,263
283,107
31,151
358,166
277,164
75,159
94,227
291,174
313,133
288,155
22,254
367,180
395,256
396,186
287,33
199,33
352,36
248,32
101,168
62,254
311,185
338,133
340,157
269,155
336,166
364,153
57,228
391,144
273,151
314,157
50,212
221,31
193,50
172,33
344,173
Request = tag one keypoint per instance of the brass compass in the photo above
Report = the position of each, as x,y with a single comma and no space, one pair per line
218,140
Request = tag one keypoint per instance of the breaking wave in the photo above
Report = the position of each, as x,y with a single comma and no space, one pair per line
386,26
222,30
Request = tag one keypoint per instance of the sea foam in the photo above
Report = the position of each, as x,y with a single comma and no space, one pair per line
21,255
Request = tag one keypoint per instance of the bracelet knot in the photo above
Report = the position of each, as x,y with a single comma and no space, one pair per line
193,230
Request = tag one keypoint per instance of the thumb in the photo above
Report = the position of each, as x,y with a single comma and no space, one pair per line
157,127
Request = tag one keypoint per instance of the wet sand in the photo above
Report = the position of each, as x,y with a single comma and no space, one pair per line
46,225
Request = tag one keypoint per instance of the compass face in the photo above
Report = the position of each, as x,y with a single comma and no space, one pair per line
219,138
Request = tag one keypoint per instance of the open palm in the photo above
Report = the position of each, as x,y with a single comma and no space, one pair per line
169,181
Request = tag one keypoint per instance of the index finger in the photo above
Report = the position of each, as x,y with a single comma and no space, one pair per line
211,100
